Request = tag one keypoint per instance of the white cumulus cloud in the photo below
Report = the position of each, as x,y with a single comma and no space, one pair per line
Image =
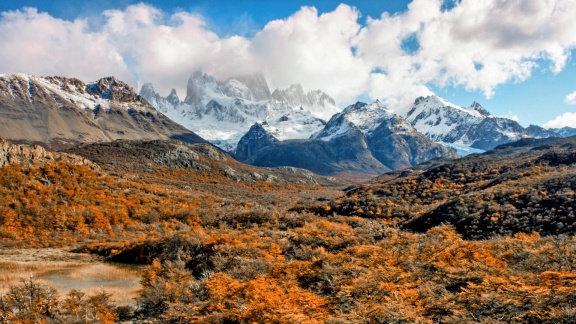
315,50
38,43
567,119
477,45
571,98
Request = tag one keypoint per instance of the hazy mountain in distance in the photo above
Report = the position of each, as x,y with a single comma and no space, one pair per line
223,111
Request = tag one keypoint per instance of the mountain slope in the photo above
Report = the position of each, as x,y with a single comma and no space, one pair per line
536,131
345,155
390,139
201,160
58,112
564,131
223,111
472,127
364,139
522,186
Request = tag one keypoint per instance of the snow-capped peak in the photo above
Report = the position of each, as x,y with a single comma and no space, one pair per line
474,126
223,111
93,95
478,107
147,89
435,102
441,120
360,116
173,97
316,101
366,116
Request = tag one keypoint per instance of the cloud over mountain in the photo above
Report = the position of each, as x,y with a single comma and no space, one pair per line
567,119
477,45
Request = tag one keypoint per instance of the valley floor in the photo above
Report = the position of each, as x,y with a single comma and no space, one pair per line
217,250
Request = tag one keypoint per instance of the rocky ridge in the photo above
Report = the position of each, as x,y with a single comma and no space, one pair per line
519,187
58,112
35,155
472,127
147,156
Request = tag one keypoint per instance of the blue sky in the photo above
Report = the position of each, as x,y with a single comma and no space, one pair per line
226,17
516,58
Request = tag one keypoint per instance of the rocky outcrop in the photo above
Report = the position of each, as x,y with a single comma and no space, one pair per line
111,89
34,155
255,140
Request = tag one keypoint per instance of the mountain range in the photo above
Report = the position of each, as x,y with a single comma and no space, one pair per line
59,113
362,139
306,129
285,127
470,127
222,112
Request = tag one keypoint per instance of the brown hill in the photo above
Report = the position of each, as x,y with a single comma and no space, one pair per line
524,186
146,158
58,113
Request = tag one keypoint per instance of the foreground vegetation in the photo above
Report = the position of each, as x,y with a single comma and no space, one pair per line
223,251
503,192
304,269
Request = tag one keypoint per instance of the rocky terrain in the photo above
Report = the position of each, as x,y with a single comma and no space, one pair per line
123,156
36,155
